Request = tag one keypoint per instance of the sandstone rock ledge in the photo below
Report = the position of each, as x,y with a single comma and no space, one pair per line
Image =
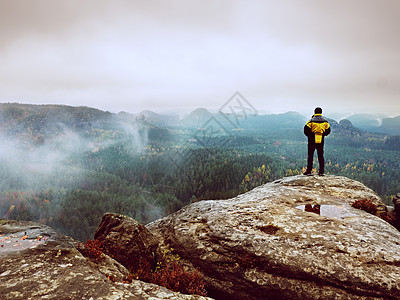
36,262
263,245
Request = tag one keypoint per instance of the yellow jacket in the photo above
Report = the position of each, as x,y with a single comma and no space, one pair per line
316,129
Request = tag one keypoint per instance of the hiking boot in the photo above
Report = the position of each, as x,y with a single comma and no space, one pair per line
307,173
321,174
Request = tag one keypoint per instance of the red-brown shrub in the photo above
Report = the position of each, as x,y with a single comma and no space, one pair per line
143,271
169,272
175,277
370,207
92,249
366,205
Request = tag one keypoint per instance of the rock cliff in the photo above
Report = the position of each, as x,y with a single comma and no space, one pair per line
264,245
295,238
38,263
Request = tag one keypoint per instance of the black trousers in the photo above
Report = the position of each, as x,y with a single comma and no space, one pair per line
310,159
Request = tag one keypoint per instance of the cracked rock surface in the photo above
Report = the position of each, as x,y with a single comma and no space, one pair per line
263,245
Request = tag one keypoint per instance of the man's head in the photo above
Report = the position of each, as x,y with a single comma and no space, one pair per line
318,110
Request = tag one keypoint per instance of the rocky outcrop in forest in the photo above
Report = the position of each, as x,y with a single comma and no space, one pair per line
296,238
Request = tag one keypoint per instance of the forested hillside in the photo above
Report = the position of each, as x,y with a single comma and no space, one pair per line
66,166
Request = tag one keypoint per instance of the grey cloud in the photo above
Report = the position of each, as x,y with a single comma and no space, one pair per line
21,19
335,24
137,52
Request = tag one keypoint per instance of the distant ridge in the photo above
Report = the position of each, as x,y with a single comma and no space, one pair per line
82,117
156,119
376,123
197,118
49,119
365,121
390,125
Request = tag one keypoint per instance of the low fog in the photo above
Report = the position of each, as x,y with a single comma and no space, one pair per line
51,170
35,165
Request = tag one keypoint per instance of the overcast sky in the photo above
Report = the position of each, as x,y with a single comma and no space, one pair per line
342,55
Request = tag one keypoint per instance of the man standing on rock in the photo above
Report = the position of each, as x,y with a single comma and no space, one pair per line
316,129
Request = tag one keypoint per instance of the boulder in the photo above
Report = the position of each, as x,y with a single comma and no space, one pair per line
36,262
127,241
263,245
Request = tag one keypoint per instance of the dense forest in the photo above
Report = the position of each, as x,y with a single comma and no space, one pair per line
66,166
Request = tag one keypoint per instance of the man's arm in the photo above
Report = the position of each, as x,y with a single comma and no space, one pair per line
328,129
307,129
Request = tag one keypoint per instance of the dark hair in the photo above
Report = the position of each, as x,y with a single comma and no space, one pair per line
318,110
